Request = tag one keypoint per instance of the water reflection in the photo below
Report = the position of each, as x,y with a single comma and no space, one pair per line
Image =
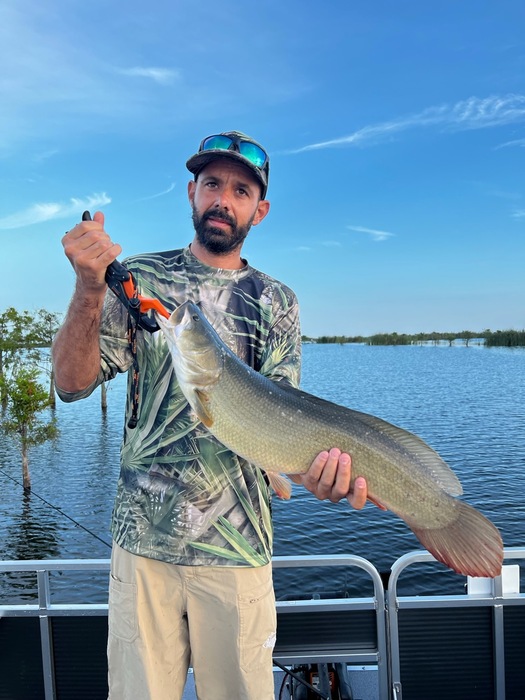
31,533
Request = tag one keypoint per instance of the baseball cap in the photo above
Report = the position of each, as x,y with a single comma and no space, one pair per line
236,146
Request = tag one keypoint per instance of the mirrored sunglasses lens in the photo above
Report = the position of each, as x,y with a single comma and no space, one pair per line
253,153
220,142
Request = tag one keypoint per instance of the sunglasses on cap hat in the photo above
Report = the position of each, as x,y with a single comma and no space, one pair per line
237,146
232,142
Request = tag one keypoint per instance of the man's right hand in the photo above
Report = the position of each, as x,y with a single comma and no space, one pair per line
90,250
76,350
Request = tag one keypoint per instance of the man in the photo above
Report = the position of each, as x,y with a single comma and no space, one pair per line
191,571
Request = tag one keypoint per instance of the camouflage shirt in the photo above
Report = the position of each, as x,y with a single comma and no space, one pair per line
182,497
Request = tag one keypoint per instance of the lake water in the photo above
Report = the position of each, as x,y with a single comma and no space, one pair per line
468,403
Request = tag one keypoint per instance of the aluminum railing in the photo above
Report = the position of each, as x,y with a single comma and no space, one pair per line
495,594
382,648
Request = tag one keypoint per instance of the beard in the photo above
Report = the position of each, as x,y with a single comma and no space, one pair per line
217,240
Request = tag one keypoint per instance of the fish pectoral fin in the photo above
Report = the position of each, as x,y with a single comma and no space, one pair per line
280,484
201,408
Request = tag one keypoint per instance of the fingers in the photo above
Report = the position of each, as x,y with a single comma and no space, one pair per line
329,475
357,496
90,250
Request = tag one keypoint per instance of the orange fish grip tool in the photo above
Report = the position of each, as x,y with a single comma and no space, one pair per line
122,283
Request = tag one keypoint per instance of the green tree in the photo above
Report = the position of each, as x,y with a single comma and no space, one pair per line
14,328
42,330
467,336
27,400
25,339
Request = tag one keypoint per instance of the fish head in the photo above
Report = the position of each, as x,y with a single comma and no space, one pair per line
195,347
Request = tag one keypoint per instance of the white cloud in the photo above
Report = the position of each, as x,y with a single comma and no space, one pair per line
515,142
163,76
159,194
473,113
518,214
65,74
374,233
48,211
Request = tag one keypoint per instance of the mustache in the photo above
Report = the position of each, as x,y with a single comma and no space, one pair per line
219,214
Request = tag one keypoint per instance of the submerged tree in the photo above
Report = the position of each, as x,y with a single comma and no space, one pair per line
25,339
26,401
14,327
43,329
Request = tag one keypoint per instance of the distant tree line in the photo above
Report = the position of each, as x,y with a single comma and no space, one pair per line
508,338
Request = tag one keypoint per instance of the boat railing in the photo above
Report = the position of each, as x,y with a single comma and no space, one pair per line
351,630
423,646
53,650
458,646
344,630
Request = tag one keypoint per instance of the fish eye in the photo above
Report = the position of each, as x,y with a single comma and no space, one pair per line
195,317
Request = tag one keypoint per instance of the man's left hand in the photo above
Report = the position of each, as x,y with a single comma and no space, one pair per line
329,477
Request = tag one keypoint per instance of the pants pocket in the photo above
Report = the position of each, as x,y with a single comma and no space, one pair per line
258,625
122,617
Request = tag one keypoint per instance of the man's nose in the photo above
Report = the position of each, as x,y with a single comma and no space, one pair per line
223,199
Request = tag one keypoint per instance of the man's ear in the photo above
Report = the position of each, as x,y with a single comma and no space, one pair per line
262,210
191,190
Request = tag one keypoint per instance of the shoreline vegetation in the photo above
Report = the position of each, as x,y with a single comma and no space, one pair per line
508,339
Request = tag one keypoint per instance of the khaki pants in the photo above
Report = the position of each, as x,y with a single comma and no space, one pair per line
160,613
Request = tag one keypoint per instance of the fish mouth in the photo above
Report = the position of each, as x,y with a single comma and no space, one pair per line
184,317
177,317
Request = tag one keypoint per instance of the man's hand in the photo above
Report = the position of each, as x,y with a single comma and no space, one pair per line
90,251
76,351
329,477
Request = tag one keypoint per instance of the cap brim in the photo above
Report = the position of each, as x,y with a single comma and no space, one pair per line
197,162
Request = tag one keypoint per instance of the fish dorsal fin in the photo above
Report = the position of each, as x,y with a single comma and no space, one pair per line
200,406
427,457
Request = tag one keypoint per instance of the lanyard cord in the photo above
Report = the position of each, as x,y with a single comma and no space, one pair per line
135,393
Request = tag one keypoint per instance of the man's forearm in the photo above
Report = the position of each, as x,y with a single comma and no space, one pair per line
76,348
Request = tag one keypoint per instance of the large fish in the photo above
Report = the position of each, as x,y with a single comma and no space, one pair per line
281,430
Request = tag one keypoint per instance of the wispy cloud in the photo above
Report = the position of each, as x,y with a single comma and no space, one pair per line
518,214
163,76
514,143
373,233
158,194
65,75
48,211
473,113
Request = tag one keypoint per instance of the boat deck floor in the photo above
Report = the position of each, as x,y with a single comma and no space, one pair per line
364,683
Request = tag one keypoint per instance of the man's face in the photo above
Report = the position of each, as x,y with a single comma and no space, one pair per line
225,202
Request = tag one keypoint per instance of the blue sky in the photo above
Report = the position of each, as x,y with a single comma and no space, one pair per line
396,133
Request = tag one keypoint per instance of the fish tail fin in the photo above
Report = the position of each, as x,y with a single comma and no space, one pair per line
280,484
470,545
